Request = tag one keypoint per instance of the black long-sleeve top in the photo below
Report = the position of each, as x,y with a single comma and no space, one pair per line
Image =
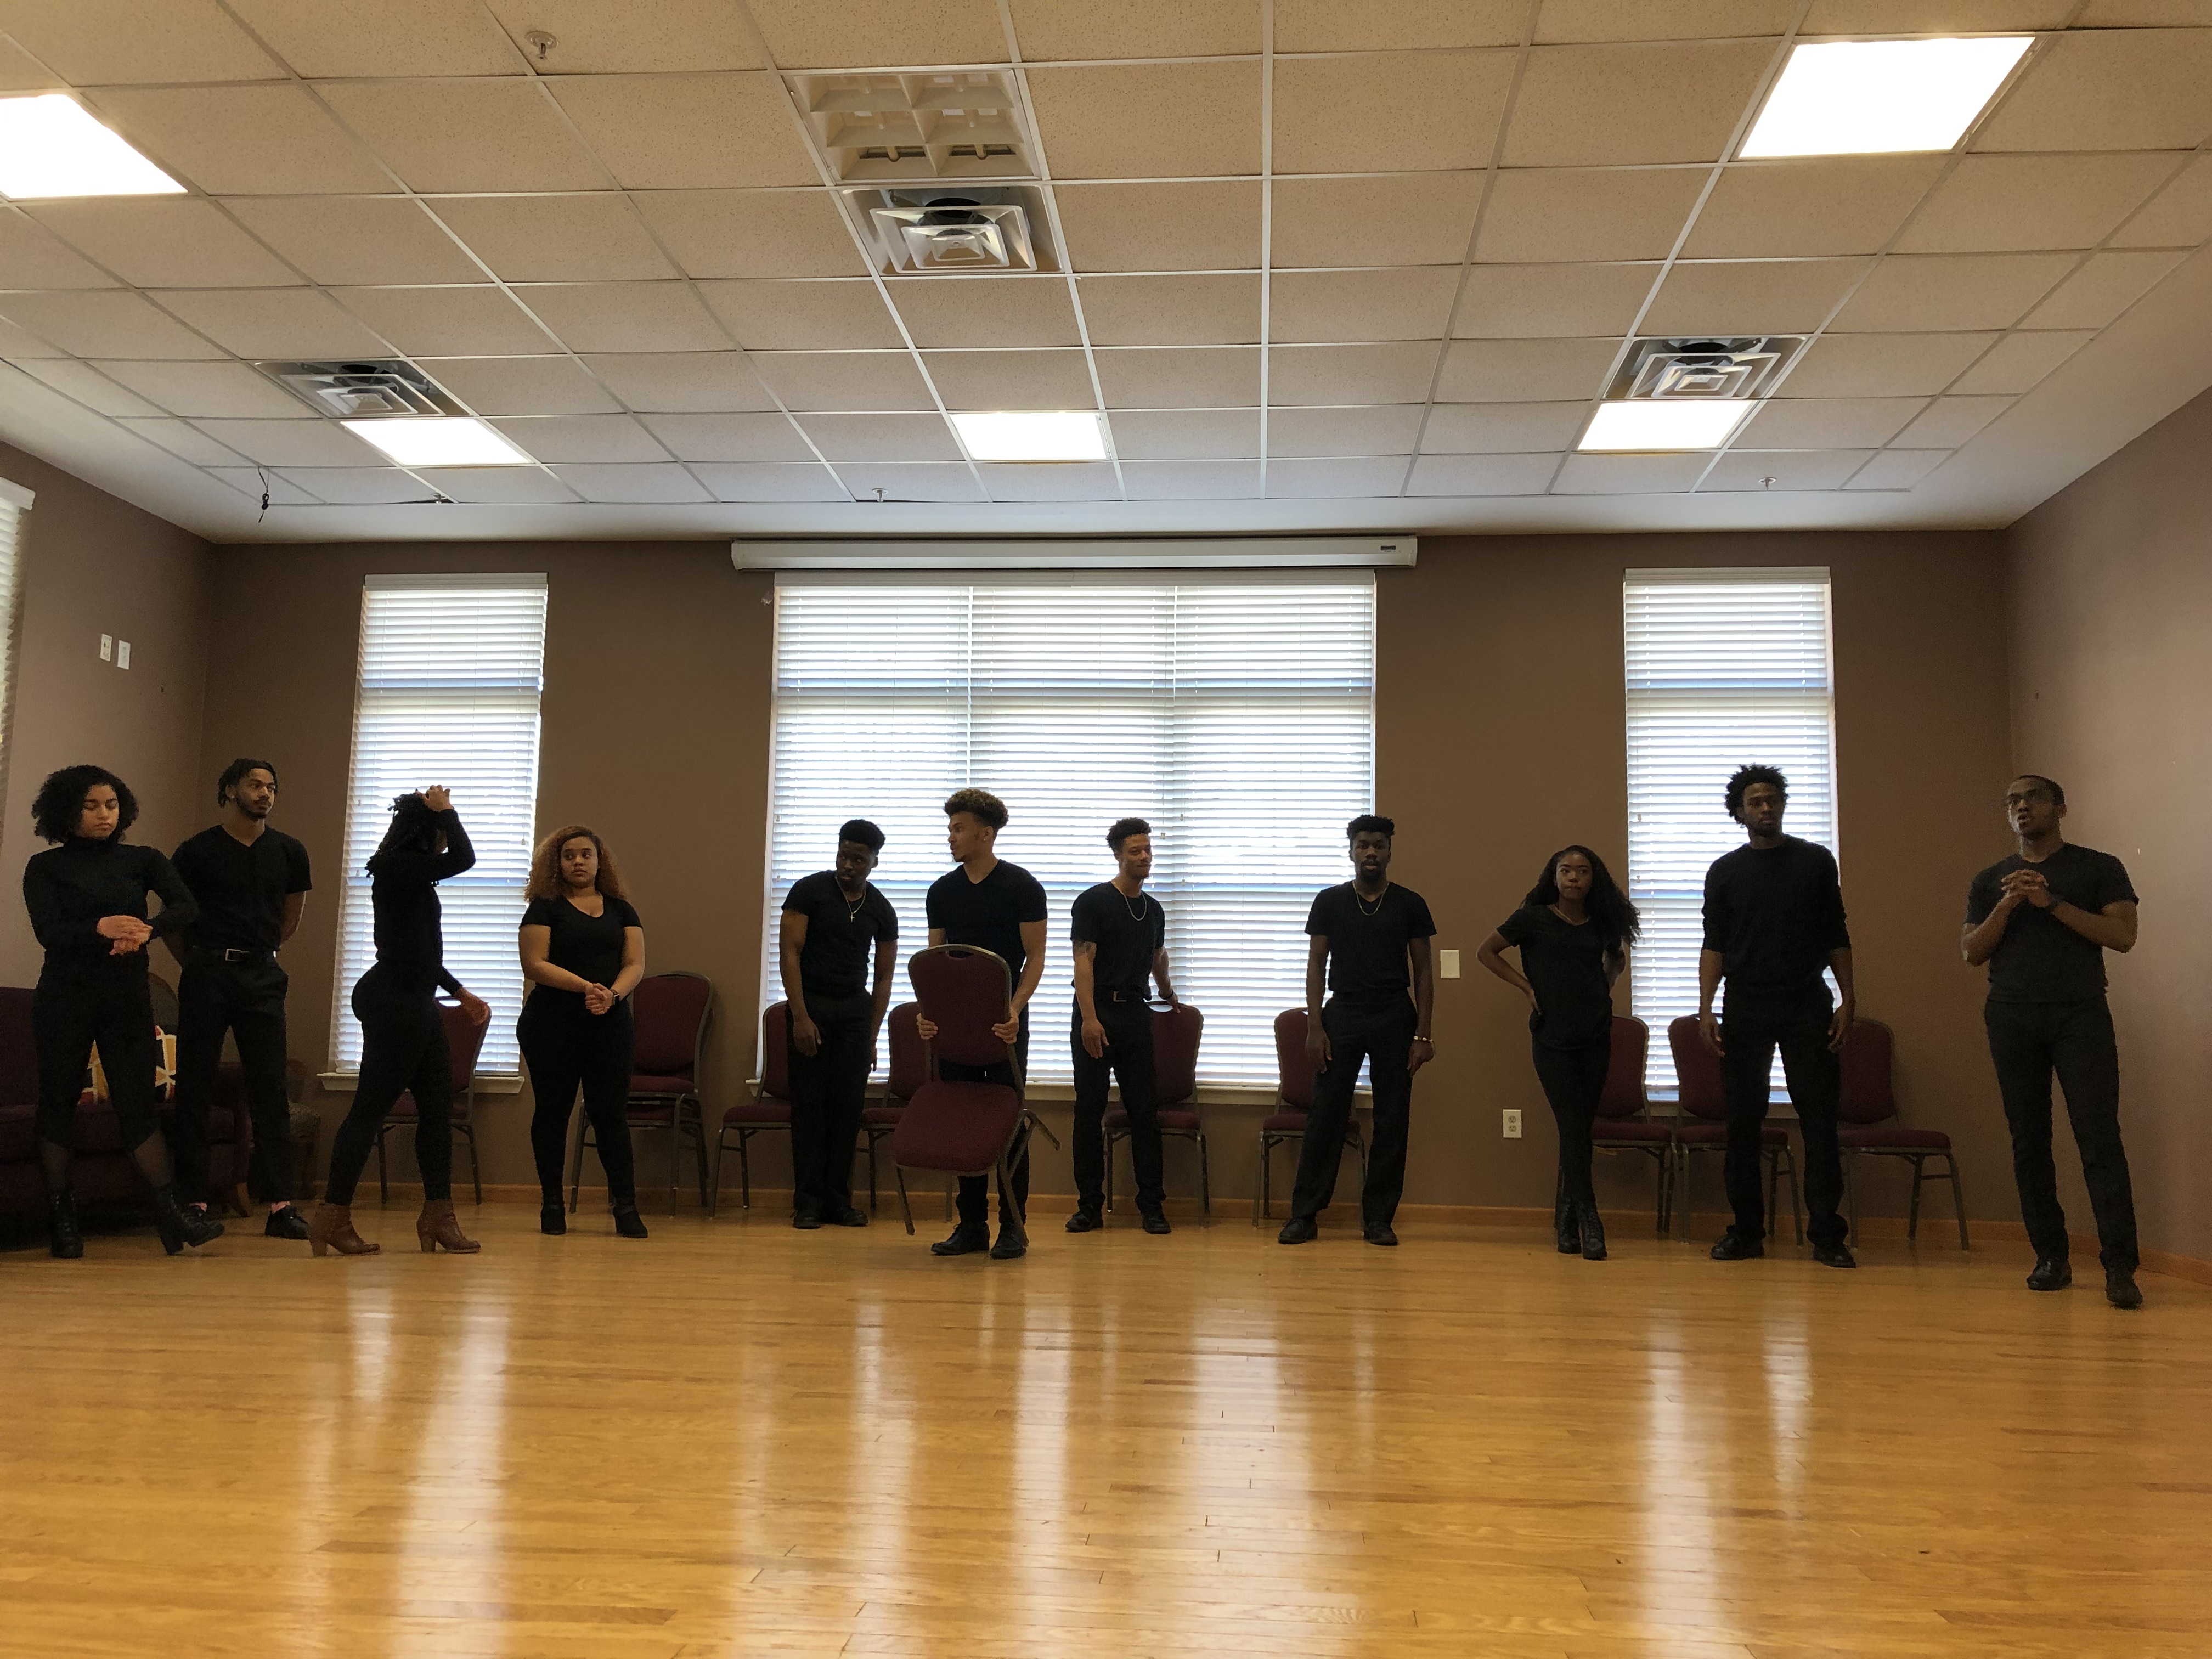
68,888
410,943
1776,914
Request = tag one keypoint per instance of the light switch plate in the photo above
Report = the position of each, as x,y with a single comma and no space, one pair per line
123,653
1448,964
107,647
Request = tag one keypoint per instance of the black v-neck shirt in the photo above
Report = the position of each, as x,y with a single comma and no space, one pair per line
1367,942
1128,933
988,914
588,946
241,887
2040,959
1565,962
841,936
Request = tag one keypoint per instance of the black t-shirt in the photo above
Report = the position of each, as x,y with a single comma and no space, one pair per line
1774,914
590,947
241,888
989,912
2040,959
834,960
1367,940
1128,933
1565,962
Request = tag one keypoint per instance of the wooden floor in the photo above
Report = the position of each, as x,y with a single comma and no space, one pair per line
736,1439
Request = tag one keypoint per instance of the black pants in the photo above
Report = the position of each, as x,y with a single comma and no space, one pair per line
829,1090
246,1000
115,1010
1128,1057
1382,1034
567,1046
402,1051
975,1206
1752,1028
2029,1041
1574,1082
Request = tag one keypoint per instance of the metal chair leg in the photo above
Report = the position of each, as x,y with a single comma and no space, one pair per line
1958,1197
714,1188
744,1169
1913,1208
698,1127
1205,1181
1850,1197
1008,1208
476,1163
905,1208
675,1151
871,1171
1259,1185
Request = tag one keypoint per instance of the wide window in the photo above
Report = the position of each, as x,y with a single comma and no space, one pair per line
451,668
1236,714
14,500
1725,668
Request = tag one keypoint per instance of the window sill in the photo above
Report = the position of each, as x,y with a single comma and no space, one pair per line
487,1083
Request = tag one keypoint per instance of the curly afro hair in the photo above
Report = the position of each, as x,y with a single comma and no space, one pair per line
60,804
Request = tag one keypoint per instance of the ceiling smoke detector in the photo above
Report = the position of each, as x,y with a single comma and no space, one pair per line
1705,370
364,390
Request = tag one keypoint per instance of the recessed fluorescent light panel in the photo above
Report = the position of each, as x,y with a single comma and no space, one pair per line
439,440
1053,434
1877,97
1650,425
50,146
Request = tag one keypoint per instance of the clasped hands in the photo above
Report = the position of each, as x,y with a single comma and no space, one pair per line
124,935
2028,886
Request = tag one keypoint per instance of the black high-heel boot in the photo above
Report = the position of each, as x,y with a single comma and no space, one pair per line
628,1222
1563,1224
553,1218
1592,1229
179,1226
64,1241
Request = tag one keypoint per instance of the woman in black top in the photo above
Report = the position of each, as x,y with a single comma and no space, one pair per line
1573,931
87,897
403,1035
583,951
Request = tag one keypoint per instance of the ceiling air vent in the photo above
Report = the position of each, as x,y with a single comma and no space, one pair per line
367,390
929,125
954,232
1705,370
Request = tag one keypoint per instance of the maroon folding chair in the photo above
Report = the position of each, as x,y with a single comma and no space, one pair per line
1176,1030
962,1128
464,1042
1294,1075
1625,1123
909,1070
670,1011
1870,1129
1703,1126
767,1111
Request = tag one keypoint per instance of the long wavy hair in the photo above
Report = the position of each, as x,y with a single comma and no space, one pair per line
1618,925
545,881
60,805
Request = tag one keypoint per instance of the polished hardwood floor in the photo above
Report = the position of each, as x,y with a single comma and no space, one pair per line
734,1439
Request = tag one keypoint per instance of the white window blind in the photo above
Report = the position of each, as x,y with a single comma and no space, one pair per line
1726,668
1237,713
11,522
450,669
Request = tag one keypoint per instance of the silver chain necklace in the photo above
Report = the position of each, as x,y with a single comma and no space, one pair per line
1144,905
1361,904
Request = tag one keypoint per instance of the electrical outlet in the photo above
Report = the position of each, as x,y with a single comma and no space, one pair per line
1512,1115
123,653
107,647
1448,964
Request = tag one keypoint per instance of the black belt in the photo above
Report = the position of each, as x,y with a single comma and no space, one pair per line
231,954
1123,996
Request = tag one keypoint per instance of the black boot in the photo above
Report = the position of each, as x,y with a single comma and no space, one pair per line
628,1222
179,1226
1592,1229
1563,1224
65,1243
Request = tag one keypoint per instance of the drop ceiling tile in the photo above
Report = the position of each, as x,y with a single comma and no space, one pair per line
1933,16
1997,203
1314,375
1057,481
1783,469
1397,25
1660,20
2180,216
521,385
811,482
731,233
91,43
881,437
1595,105
357,486
396,37
447,322
1575,213
349,240
1526,371
17,343
1342,478
846,315
1011,380
1374,219
1950,291
1755,296
1949,422
1806,209
104,322
1180,377
88,385
880,33
1898,469
1482,474
500,486
1150,120
2109,89
596,437
1502,428
1407,302
684,382
255,483
1180,434
282,322
1828,422
165,242
1071,31
20,72
866,381
187,443
243,141
640,37
1882,365
955,312
689,132
1368,429
227,391
1191,481
616,482
732,437
2142,13
292,443
458,136
1212,226
1357,113
2020,361
1551,301
920,481
31,256
625,316
591,238
2106,285
1220,309
1628,475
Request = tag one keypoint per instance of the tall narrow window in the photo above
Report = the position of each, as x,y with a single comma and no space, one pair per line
450,669
13,501
1725,668
1236,714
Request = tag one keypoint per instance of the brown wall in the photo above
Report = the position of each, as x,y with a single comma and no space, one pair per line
2111,611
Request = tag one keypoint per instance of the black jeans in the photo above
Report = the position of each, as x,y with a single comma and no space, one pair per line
402,1051
1382,1034
116,1010
2029,1041
1574,1082
567,1048
975,1205
246,1000
1752,1028
829,1091
1128,1057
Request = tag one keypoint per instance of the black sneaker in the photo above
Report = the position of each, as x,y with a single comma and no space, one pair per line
1834,1255
2120,1288
1381,1234
848,1217
1086,1220
1298,1230
806,1220
1155,1221
960,1242
1010,1246
2052,1273
1734,1247
287,1223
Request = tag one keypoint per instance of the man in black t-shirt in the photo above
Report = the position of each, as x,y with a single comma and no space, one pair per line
252,884
998,907
832,919
1370,938
2042,920
1774,923
1119,934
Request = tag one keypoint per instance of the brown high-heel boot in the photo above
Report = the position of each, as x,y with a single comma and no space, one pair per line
331,1228
436,1227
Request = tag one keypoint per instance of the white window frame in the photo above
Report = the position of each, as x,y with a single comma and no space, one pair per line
15,509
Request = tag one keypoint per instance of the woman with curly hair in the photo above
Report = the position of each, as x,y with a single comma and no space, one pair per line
583,953
87,897
403,1035
1573,931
